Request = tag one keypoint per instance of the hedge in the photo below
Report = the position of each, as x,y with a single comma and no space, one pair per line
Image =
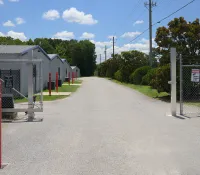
118,75
160,81
137,75
146,80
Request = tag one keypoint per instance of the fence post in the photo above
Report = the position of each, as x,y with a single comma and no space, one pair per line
173,81
56,81
181,86
49,84
72,77
69,78
0,124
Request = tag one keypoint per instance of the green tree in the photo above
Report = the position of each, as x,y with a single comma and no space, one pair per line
183,35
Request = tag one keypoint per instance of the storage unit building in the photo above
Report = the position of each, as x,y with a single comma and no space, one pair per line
75,69
67,67
18,69
56,65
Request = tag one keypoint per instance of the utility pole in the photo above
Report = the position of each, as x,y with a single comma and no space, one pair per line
105,53
150,5
100,58
113,47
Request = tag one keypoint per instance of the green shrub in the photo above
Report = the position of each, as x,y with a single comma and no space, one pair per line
160,81
118,75
148,77
136,76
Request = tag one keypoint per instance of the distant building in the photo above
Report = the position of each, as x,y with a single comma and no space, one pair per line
66,68
76,70
56,65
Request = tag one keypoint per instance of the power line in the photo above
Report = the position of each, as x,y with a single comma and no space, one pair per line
162,20
174,12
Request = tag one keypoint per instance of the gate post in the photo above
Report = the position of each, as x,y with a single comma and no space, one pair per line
181,86
173,81
30,90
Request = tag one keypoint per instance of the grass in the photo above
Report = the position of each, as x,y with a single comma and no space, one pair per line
65,89
78,81
45,98
75,82
146,90
54,97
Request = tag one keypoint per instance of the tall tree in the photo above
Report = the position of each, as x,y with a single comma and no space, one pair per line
183,35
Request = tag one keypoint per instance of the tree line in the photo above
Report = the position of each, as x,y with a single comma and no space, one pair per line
78,53
133,66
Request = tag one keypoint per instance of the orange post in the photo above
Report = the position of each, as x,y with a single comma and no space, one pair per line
72,77
49,84
0,124
69,78
56,81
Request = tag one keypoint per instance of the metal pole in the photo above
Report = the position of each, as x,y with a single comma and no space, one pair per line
181,86
173,81
150,32
30,90
113,47
105,53
100,58
41,85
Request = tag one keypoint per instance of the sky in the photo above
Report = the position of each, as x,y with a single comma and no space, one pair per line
96,20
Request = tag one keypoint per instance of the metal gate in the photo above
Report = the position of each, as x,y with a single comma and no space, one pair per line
189,86
15,76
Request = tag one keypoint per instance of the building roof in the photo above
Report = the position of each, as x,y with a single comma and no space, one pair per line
73,67
15,49
63,60
52,56
20,49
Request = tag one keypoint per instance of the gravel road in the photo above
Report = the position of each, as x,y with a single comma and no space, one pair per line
103,129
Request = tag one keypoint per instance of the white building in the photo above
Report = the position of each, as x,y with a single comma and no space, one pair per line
56,65
19,70
76,70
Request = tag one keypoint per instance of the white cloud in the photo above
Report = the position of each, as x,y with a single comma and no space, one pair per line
9,24
73,15
14,0
130,34
1,34
51,15
111,37
19,20
1,2
64,35
101,44
15,35
138,22
86,35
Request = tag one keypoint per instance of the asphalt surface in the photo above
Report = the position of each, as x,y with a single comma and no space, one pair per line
103,129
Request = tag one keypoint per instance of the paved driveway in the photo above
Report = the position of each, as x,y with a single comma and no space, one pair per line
103,129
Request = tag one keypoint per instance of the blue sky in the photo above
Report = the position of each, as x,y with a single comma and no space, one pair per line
90,19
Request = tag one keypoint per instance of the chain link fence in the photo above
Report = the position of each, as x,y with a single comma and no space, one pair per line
17,85
189,86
